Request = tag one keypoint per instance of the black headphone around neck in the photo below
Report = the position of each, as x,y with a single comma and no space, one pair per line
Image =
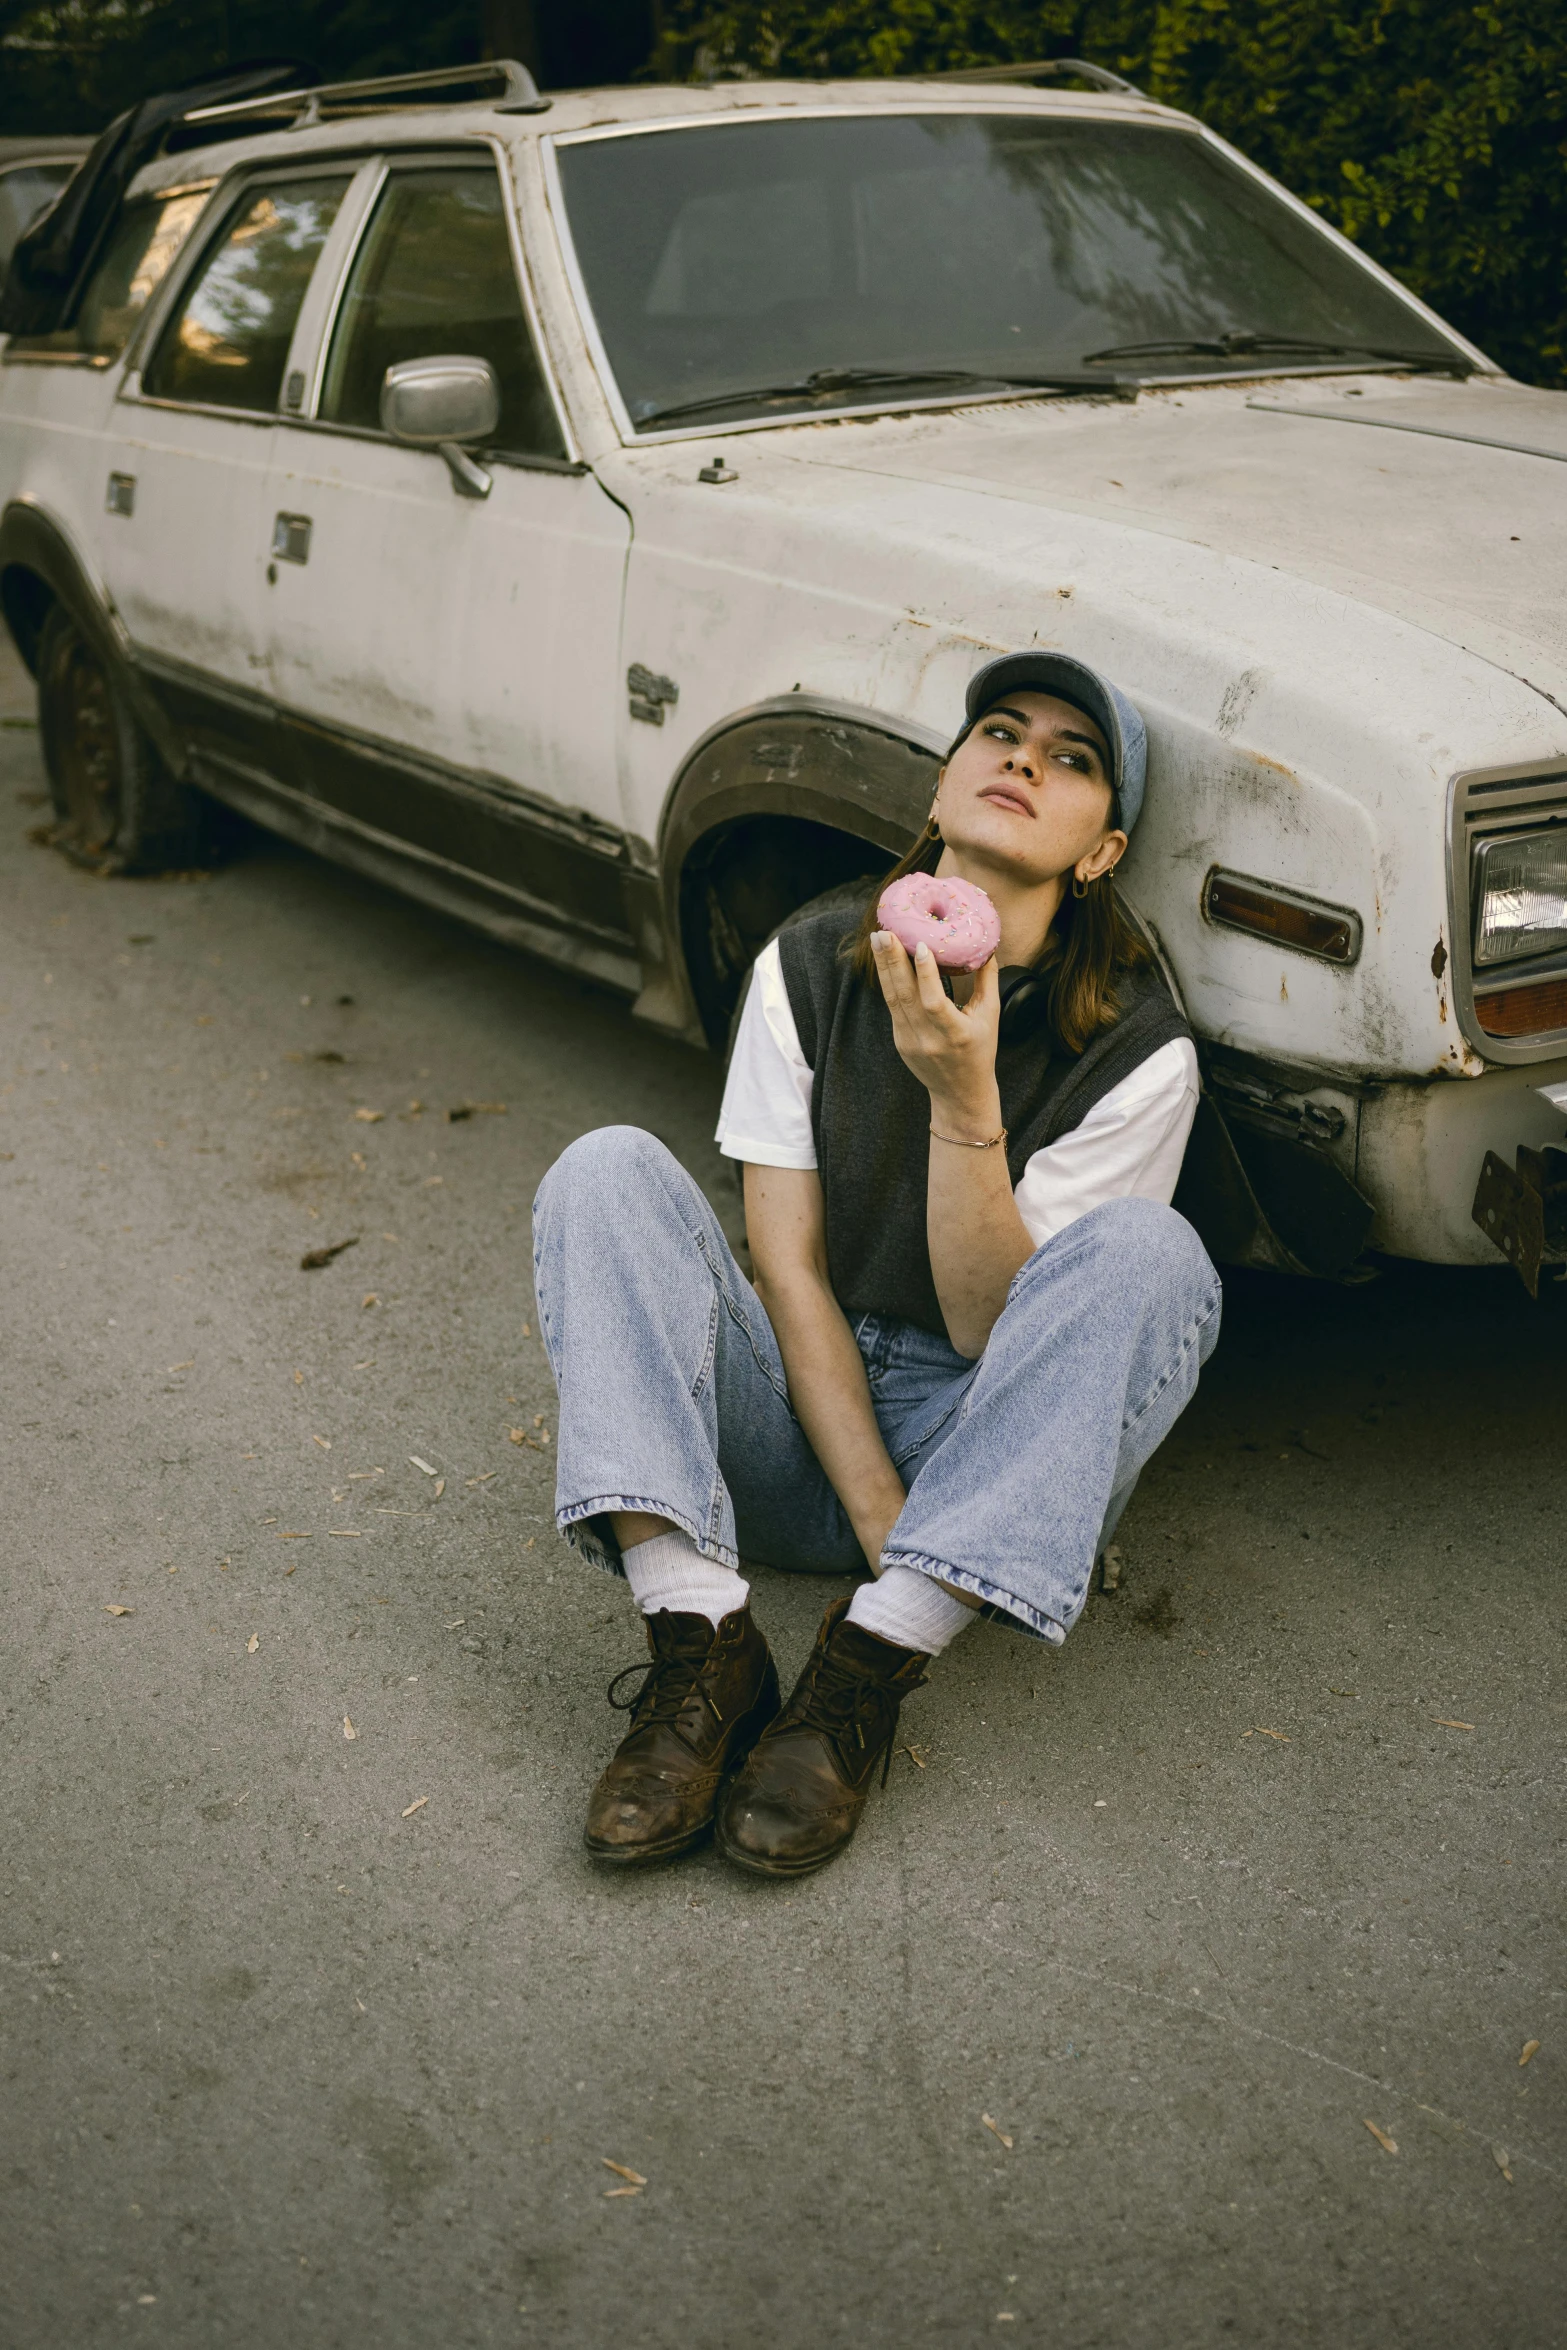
1025,1002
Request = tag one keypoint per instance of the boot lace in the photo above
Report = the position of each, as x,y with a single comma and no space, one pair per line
839,1702
664,1692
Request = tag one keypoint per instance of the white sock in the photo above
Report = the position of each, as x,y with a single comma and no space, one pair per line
670,1572
910,1610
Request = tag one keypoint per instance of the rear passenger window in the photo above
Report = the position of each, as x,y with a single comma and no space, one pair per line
434,275
142,246
227,344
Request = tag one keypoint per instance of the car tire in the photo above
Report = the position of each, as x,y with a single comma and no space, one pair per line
116,806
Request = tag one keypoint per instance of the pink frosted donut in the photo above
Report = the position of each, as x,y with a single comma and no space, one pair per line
954,919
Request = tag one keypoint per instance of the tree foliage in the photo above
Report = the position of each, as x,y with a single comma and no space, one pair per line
1434,132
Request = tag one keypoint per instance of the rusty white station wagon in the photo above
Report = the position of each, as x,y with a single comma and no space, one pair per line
585,514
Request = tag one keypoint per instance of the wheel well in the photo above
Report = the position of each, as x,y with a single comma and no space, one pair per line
25,600
740,881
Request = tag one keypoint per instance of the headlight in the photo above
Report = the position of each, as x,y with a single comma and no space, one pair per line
1520,895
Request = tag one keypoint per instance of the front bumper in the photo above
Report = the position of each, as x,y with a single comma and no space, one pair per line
1420,1148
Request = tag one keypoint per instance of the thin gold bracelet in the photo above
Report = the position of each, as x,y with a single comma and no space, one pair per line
964,1145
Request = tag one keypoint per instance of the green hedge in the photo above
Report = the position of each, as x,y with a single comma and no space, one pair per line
1433,133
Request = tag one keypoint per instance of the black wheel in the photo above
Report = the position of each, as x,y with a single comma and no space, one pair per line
116,805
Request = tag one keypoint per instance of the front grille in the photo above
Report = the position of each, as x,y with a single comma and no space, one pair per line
1518,1015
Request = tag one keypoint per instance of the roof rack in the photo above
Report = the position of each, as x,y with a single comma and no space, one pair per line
1044,69
518,94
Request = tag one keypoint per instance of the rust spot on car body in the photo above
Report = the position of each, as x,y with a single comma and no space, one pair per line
1439,962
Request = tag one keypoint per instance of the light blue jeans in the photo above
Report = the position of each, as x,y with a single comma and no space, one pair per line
673,1399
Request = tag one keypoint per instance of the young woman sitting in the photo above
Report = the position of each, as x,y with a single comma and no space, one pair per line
973,1316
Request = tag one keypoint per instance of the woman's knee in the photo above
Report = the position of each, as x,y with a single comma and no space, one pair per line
1145,1242
600,1169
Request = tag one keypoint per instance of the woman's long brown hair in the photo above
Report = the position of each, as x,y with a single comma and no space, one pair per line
1089,941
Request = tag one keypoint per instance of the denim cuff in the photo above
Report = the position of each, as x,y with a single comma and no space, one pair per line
1000,1606
575,1525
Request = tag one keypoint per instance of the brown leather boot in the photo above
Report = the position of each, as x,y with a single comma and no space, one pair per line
707,1697
797,1800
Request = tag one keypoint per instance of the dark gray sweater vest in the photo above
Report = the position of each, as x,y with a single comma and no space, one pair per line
870,1115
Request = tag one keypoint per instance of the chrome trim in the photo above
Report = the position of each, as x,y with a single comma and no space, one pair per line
500,909
555,205
519,93
1430,432
530,307
577,827
11,355
1096,109
317,320
521,460
1509,798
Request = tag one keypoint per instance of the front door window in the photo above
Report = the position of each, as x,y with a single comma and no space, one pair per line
434,276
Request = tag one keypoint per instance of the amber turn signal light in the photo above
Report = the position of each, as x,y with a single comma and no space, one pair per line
1282,915
1524,1011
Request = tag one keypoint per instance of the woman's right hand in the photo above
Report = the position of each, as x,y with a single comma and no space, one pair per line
950,1047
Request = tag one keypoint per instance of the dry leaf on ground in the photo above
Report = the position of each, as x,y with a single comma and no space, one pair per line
1530,2048
440,1487
610,2193
1502,2160
252,1644
314,1258
190,1366
370,1299
414,1462
633,2176
347,1534
1443,1724
325,1442
119,1611
348,1728
369,1117
996,2131
418,1804
1387,2144
1260,1733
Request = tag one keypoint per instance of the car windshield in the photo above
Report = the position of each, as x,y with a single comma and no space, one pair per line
735,263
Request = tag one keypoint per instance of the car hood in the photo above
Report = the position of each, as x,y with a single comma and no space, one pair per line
1443,504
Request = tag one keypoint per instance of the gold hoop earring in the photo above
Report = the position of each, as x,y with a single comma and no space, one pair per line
933,825
1079,886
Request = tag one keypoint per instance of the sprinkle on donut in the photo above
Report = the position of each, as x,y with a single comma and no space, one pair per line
955,919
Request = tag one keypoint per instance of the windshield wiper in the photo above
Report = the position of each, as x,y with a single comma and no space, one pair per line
1250,346
824,381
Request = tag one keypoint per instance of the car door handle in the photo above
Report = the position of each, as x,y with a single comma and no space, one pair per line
121,497
291,538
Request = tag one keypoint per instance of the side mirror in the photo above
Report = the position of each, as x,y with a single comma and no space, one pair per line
440,403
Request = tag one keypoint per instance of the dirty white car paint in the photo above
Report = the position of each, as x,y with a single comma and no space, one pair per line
1336,596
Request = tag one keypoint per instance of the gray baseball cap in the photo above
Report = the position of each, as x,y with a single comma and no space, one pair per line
1073,681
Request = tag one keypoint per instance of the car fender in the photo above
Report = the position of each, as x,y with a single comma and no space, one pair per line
41,564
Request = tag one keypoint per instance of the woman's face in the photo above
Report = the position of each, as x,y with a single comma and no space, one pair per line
1027,794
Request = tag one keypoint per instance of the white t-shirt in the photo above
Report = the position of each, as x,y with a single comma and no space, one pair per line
1129,1146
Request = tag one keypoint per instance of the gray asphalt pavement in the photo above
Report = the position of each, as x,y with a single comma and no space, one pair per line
315,2039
